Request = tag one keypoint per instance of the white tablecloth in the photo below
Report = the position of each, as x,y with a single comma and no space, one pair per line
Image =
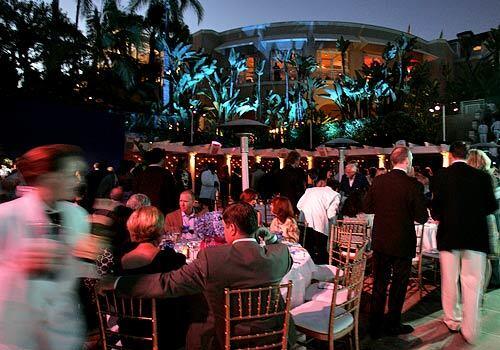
429,243
300,274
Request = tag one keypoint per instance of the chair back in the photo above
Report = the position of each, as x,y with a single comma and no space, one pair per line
352,284
137,326
348,242
257,318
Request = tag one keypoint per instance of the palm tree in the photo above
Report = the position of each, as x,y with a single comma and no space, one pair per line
159,14
83,7
342,45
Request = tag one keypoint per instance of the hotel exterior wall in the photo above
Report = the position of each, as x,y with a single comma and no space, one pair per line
261,40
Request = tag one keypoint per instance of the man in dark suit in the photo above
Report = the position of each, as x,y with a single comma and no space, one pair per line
292,179
242,263
397,201
156,182
462,198
353,181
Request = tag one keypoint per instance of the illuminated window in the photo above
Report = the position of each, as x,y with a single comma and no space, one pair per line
277,66
477,48
248,76
330,63
368,59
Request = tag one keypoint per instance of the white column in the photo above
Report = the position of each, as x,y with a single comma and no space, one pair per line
444,123
228,163
341,162
310,161
192,169
282,163
245,183
446,159
381,160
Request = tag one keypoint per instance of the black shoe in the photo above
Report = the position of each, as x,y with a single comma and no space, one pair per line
399,330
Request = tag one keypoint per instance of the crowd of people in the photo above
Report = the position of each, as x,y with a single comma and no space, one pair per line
62,228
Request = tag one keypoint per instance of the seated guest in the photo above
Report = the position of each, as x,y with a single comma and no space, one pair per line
251,196
183,219
145,226
284,222
137,201
242,263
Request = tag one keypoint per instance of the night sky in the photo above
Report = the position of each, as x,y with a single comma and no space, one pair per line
426,17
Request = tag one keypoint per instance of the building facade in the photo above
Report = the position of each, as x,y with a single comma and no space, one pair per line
318,39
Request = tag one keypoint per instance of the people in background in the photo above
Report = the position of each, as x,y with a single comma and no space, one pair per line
251,197
156,182
225,180
352,180
292,179
183,219
319,207
137,201
284,221
479,160
209,187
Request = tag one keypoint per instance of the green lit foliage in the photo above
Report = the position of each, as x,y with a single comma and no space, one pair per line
224,101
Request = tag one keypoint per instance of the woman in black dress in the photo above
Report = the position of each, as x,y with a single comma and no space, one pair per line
142,256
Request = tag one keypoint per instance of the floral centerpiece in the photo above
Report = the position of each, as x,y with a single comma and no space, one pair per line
210,229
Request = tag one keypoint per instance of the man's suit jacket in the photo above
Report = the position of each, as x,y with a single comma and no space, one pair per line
159,185
360,183
174,219
397,201
463,197
243,264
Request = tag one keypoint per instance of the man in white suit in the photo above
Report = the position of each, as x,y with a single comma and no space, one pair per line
38,301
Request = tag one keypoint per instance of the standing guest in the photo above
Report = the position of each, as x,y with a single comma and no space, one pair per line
462,199
495,128
183,219
256,177
137,201
353,180
209,187
242,263
182,177
156,182
319,205
483,129
236,184
397,201
292,179
38,299
269,182
479,160
381,171
284,222
251,196
93,179
225,180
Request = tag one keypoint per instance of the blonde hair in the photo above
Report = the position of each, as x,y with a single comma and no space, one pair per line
145,224
479,160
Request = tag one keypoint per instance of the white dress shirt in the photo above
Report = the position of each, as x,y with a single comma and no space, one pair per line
319,205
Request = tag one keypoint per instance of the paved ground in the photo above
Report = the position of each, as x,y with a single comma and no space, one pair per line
430,333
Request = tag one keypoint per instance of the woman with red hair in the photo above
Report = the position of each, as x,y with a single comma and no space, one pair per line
284,221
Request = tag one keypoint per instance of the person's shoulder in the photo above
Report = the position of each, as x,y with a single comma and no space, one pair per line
12,207
73,209
173,213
